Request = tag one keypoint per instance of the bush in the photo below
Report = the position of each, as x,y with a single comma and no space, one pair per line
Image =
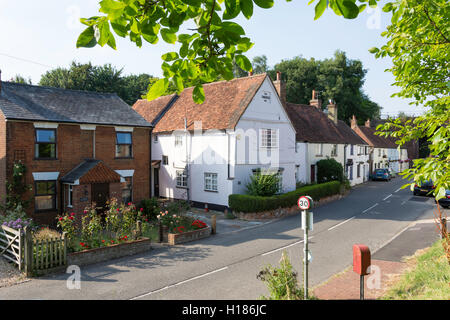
248,203
263,184
16,218
149,207
329,170
281,282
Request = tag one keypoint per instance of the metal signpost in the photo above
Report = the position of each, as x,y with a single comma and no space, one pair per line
305,203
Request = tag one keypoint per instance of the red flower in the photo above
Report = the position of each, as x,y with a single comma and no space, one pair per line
82,244
103,241
72,214
129,203
60,219
71,218
142,209
118,210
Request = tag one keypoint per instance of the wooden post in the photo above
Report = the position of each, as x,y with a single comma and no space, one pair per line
138,229
443,228
64,237
28,252
213,224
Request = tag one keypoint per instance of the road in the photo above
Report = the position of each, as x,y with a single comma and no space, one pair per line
224,266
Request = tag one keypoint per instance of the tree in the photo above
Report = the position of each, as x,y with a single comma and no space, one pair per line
20,79
329,170
338,78
205,54
259,66
104,78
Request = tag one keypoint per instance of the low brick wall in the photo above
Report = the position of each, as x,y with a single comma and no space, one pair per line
106,253
176,238
284,212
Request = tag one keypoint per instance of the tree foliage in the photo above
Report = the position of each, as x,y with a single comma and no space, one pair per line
206,51
104,78
419,46
329,170
337,78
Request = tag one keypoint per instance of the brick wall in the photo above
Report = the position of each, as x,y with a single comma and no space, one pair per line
2,157
74,145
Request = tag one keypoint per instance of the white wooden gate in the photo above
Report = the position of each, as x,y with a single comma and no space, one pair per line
11,244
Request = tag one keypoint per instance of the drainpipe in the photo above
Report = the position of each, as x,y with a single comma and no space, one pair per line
150,184
187,161
93,144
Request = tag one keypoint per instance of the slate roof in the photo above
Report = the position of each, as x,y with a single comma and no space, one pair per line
91,171
225,102
38,103
312,125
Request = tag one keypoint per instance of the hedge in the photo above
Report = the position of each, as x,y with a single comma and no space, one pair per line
247,203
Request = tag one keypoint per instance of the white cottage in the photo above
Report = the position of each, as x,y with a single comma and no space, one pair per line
203,153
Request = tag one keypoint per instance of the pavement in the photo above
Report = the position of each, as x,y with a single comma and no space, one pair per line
387,264
225,265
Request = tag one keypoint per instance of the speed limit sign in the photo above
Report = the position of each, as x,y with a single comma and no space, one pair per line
304,203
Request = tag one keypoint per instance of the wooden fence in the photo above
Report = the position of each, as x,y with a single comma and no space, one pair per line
11,245
32,256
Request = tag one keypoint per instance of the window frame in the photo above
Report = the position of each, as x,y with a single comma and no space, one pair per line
70,195
334,149
36,194
130,145
36,143
130,188
183,178
178,141
320,153
165,160
271,143
211,181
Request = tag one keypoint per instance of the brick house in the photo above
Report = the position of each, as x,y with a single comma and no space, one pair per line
78,147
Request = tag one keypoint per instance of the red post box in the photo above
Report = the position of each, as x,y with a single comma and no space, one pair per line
361,259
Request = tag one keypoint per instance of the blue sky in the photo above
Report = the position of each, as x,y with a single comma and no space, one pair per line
41,35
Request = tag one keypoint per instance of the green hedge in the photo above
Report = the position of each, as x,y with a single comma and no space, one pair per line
247,203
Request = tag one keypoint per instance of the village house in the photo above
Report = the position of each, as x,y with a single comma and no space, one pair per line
320,135
78,147
384,153
205,152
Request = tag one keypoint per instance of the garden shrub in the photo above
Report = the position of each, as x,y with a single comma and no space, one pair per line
281,282
329,170
15,218
149,207
248,203
263,184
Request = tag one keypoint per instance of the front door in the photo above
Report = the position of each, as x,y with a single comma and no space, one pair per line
313,173
156,182
100,194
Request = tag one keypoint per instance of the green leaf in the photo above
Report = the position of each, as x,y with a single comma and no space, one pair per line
243,62
170,56
246,8
320,9
348,8
178,83
374,50
87,38
104,32
233,27
232,9
198,95
158,89
168,36
265,4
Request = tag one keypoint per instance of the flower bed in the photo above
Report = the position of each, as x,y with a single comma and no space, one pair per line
181,228
112,251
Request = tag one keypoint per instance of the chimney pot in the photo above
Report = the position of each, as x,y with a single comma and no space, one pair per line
332,111
278,75
315,102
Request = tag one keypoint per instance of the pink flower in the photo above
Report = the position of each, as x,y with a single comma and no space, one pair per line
142,209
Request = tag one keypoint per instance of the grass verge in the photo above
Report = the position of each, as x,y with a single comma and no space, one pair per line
427,279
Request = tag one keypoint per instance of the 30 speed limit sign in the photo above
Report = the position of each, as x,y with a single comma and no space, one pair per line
304,203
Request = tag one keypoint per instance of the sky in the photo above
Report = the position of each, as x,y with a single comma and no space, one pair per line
37,36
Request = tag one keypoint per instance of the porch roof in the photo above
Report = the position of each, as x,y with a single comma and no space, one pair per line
91,171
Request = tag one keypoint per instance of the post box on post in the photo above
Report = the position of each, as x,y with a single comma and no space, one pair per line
361,264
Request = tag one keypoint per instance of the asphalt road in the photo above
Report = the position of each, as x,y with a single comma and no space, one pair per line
225,266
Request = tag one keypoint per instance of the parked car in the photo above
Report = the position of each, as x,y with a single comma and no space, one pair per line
381,174
445,201
424,188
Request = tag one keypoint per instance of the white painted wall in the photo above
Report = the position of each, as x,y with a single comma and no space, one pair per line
360,157
314,156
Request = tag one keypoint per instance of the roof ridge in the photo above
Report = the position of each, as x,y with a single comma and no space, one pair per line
58,88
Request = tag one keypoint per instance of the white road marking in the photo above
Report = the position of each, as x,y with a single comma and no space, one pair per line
398,189
370,208
178,283
387,197
282,248
341,223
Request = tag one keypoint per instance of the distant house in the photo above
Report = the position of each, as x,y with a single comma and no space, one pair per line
78,147
203,153
384,153
320,135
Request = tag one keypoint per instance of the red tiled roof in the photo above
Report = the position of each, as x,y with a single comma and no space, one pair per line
312,125
368,134
225,102
100,174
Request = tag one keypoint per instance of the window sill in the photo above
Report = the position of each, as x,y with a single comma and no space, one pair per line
180,187
123,158
45,211
45,159
215,191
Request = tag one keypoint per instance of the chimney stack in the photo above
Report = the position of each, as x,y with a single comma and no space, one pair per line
280,86
367,124
315,102
332,111
353,122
